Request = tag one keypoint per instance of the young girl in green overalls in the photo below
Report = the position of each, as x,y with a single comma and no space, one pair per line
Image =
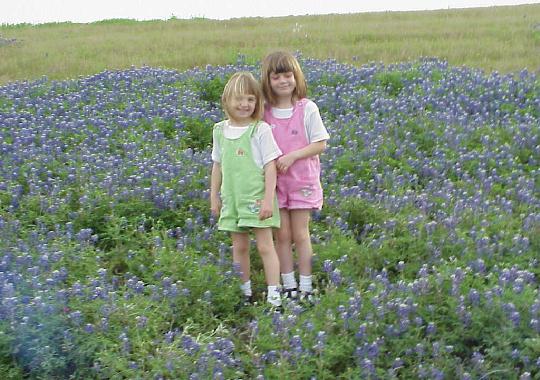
243,182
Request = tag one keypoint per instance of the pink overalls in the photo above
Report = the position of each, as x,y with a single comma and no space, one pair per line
300,187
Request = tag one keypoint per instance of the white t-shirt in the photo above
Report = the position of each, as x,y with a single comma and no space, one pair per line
314,126
263,145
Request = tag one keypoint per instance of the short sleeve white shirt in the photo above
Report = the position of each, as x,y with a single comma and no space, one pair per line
263,145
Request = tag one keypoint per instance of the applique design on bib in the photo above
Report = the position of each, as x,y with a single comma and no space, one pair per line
255,207
306,191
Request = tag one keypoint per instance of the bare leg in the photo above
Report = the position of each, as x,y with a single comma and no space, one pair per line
240,242
299,220
265,246
284,243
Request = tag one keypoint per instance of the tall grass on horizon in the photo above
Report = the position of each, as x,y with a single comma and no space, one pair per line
506,39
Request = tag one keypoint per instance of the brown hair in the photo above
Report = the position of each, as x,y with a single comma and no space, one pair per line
282,62
243,83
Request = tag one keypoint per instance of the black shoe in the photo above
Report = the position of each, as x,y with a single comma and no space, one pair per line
307,298
248,301
291,293
271,309
245,302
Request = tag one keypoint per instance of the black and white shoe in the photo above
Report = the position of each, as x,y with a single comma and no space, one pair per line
245,301
271,309
291,293
307,298
248,301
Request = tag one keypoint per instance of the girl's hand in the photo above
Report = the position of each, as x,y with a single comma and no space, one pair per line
215,206
266,211
284,162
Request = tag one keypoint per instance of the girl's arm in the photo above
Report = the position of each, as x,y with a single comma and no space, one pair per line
215,185
313,149
270,179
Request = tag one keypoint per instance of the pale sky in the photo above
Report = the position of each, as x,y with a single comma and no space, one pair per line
40,11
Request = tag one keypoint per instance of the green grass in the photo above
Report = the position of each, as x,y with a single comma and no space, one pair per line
496,38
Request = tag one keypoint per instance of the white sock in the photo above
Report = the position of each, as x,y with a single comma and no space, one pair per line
305,284
273,295
289,282
246,288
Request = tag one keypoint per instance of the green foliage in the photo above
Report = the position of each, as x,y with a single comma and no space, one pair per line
361,215
345,164
5,104
436,76
331,80
392,82
421,134
39,91
166,126
45,349
8,365
116,21
5,200
198,133
536,33
210,91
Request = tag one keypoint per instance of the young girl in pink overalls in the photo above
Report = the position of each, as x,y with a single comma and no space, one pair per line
301,136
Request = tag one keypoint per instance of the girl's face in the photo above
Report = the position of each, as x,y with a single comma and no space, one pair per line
241,108
282,84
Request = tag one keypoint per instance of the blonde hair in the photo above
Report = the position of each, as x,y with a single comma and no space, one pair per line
243,83
282,62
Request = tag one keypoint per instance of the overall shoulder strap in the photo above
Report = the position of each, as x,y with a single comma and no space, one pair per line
253,128
302,102
218,127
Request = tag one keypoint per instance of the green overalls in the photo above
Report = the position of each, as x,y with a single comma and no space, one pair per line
242,185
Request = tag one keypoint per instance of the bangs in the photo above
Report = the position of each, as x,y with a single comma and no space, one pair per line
244,86
282,64
241,85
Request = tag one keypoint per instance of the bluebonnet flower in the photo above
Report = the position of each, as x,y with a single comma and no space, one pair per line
190,345
535,324
368,367
474,151
362,331
76,317
141,321
474,297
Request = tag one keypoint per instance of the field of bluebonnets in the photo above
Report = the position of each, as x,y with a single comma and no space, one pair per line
427,248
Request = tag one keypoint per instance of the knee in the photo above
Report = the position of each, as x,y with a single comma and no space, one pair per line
283,235
264,248
242,248
301,237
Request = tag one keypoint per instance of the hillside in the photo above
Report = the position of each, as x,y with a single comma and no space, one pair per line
506,39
